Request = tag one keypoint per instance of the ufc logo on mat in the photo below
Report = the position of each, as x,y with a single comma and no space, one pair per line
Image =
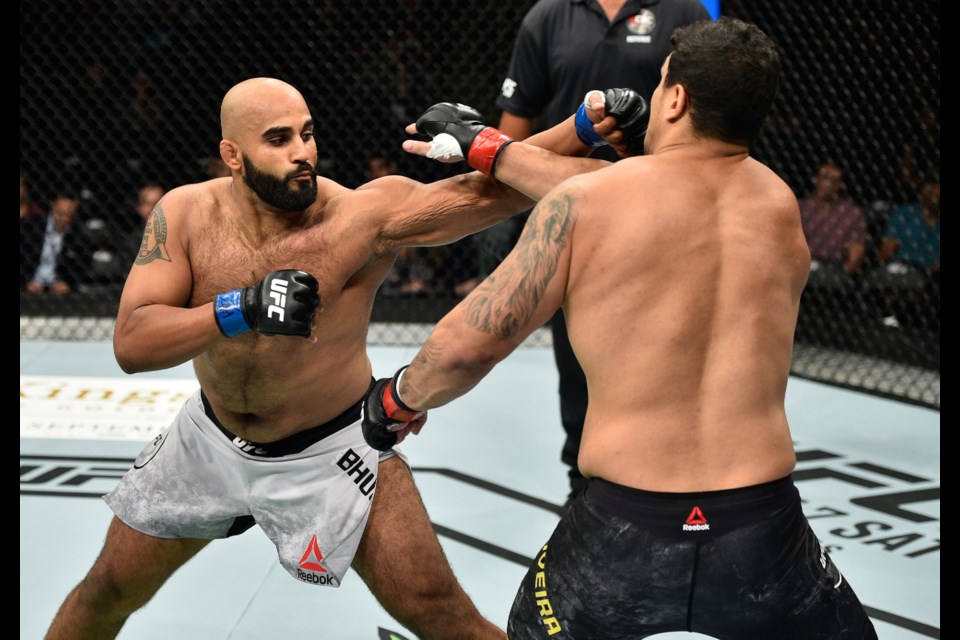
278,293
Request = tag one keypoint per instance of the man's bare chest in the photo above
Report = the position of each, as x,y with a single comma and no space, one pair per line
224,260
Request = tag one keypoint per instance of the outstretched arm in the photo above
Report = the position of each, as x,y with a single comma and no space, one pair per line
533,167
517,298
616,116
410,213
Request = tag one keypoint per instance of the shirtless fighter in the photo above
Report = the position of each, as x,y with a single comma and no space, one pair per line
680,273
230,274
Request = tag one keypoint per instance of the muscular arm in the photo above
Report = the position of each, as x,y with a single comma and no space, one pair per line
540,163
519,296
154,330
402,212
446,210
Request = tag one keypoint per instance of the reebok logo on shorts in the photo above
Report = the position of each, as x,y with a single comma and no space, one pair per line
311,561
696,521
312,557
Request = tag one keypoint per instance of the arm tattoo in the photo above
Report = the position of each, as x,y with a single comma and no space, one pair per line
429,353
154,243
413,384
506,301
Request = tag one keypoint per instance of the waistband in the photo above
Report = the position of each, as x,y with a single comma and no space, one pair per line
702,511
291,444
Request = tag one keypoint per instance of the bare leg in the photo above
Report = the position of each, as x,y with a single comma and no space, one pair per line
131,568
402,563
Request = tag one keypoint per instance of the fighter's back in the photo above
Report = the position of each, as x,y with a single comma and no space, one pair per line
685,280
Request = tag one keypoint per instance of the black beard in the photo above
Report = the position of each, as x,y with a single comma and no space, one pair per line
277,192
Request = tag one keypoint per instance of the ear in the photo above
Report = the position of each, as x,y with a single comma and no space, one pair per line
230,153
678,102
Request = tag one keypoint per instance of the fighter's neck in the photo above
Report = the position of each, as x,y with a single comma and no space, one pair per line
262,218
700,147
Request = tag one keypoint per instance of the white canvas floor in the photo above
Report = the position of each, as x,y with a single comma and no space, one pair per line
489,471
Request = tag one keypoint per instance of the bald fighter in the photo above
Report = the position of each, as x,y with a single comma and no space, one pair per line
680,274
231,274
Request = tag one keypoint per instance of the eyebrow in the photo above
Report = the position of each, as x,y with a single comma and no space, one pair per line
275,131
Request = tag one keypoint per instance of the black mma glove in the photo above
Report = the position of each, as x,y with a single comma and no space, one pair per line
632,114
479,144
382,409
283,303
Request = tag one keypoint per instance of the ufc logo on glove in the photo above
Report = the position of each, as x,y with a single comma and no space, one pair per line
278,293
263,306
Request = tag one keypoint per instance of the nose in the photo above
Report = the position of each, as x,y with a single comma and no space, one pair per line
300,151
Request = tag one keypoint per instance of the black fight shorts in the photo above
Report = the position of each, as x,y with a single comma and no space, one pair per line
740,563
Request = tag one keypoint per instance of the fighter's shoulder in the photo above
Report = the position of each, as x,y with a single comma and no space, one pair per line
638,171
774,189
327,188
385,188
194,197
371,203
600,181
582,193
386,184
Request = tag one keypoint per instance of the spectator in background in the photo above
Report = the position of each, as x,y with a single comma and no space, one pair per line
63,256
565,48
910,251
913,233
31,234
835,229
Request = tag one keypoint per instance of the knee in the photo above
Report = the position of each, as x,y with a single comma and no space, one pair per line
427,598
441,610
103,593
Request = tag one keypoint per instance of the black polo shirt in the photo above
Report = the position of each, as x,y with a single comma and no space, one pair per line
568,47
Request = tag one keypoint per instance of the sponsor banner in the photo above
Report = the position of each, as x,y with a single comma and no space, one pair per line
99,408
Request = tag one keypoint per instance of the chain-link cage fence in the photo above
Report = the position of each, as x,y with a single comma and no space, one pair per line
119,101
856,133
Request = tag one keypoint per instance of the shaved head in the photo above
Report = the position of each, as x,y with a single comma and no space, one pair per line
268,142
252,105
